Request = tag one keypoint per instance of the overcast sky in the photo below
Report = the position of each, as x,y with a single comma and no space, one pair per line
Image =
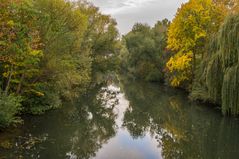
128,12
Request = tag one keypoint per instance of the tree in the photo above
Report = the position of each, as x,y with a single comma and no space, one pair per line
190,30
101,39
20,45
146,50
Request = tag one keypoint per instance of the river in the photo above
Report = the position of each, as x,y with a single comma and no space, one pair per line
125,120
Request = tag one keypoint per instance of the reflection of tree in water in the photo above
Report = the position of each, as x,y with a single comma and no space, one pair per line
96,121
182,129
76,131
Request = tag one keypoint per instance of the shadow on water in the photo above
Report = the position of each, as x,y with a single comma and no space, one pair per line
128,119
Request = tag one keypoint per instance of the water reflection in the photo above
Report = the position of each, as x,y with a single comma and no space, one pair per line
76,131
129,119
95,122
182,129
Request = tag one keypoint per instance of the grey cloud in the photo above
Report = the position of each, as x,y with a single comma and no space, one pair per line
128,12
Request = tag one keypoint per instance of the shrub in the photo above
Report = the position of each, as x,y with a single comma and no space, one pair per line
10,106
38,102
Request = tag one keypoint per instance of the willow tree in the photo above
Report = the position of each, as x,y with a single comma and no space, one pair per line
229,51
188,33
220,69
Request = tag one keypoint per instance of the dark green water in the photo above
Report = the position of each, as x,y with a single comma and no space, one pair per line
127,120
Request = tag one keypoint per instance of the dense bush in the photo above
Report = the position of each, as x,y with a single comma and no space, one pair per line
39,103
10,105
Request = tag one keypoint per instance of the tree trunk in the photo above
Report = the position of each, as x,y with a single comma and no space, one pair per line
194,64
9,80
20,84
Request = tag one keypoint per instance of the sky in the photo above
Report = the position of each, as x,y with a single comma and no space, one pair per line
128,12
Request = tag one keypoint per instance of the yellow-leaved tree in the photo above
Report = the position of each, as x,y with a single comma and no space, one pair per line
188,35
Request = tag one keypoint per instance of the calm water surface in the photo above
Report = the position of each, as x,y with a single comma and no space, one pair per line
126,120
